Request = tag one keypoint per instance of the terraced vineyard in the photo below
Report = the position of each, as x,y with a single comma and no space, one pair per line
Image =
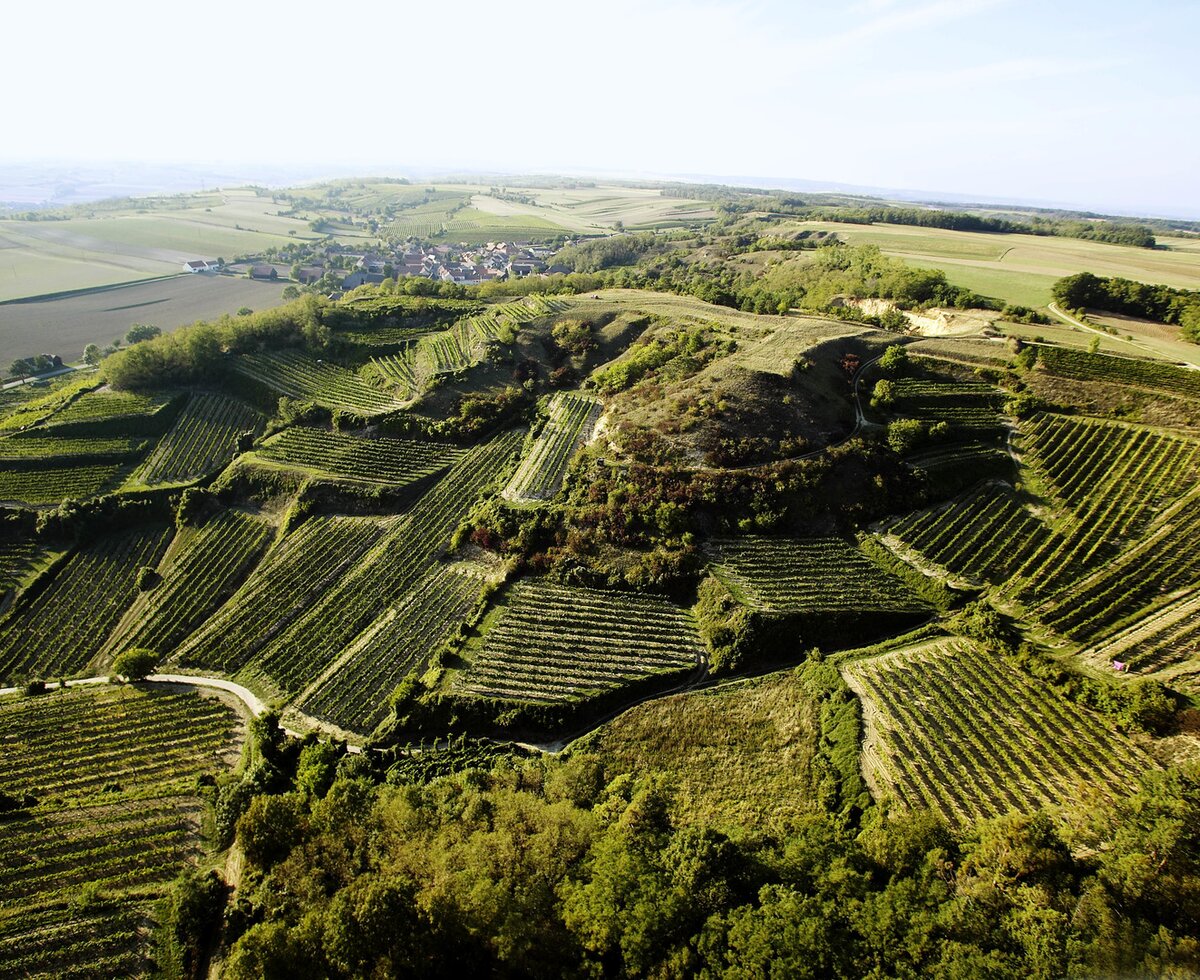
1165,643
571,423
806,575
17,559
965,405
984,534
112,773
400,642
106,404
61,628
383,576
553,644
202,569
54,484
1112,479
956,729
378,460
294,575
329,385
202,440
39,444
1151,375
403,370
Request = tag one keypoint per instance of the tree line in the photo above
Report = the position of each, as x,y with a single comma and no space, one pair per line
1163,304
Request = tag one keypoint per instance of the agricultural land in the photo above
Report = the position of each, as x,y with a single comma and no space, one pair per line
716,583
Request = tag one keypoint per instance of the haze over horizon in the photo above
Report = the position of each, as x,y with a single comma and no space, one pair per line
1089,106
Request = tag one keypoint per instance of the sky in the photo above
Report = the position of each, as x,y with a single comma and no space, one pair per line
1088,104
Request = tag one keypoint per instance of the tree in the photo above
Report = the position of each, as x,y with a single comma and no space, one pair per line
92,354
21,367
142,331
894,360
290,292
135,664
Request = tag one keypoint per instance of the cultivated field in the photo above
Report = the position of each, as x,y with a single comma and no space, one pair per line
551,644
112,816
66,325
1017,268
929,744
572,418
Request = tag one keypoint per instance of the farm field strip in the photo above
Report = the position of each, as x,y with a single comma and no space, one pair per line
205,567
540,476
329,385
120,818
552,643
998,741
1165,639
53,485
379,460
795,575
400,642
203,439
34,445
59,630
294,575
294,657
1126,371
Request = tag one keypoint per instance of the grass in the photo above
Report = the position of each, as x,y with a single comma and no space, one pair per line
738,758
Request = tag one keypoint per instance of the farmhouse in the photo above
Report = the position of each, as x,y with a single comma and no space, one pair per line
200,265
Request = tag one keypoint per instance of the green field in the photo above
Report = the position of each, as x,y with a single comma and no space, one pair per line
1018,269
108,825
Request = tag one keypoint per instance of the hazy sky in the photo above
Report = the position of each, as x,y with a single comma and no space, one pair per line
1089,103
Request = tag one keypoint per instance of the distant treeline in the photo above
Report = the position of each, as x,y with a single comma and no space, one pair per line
1164,304
1112,232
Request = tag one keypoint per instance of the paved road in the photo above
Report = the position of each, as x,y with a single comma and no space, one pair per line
40,377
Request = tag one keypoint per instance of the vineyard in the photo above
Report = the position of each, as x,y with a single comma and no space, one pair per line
293,576
570,425
400,642
808,575
39,444
1151,375
971,407
202,569
380,460
111,818
203,439
954,728
985,534
103,405
1165,643
328,385
552,644
54,484
382,577
17,559
61,628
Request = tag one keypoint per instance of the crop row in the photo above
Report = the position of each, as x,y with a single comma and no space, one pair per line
571,422
985,533
795,575
551,643
204,568
1154,375
400,642
61,628
53,485
203,439
39,444
298,376
293,576
129,841
1165,560
296,656
1165,639
958,730
386,460
105,404
17,557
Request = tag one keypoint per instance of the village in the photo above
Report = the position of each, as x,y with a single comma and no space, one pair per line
334,268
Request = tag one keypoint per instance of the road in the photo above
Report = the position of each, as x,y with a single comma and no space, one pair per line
1137,345
252,703
40,377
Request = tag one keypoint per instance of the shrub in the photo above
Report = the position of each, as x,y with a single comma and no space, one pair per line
135,664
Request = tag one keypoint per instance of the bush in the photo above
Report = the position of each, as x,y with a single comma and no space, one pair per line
135,664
